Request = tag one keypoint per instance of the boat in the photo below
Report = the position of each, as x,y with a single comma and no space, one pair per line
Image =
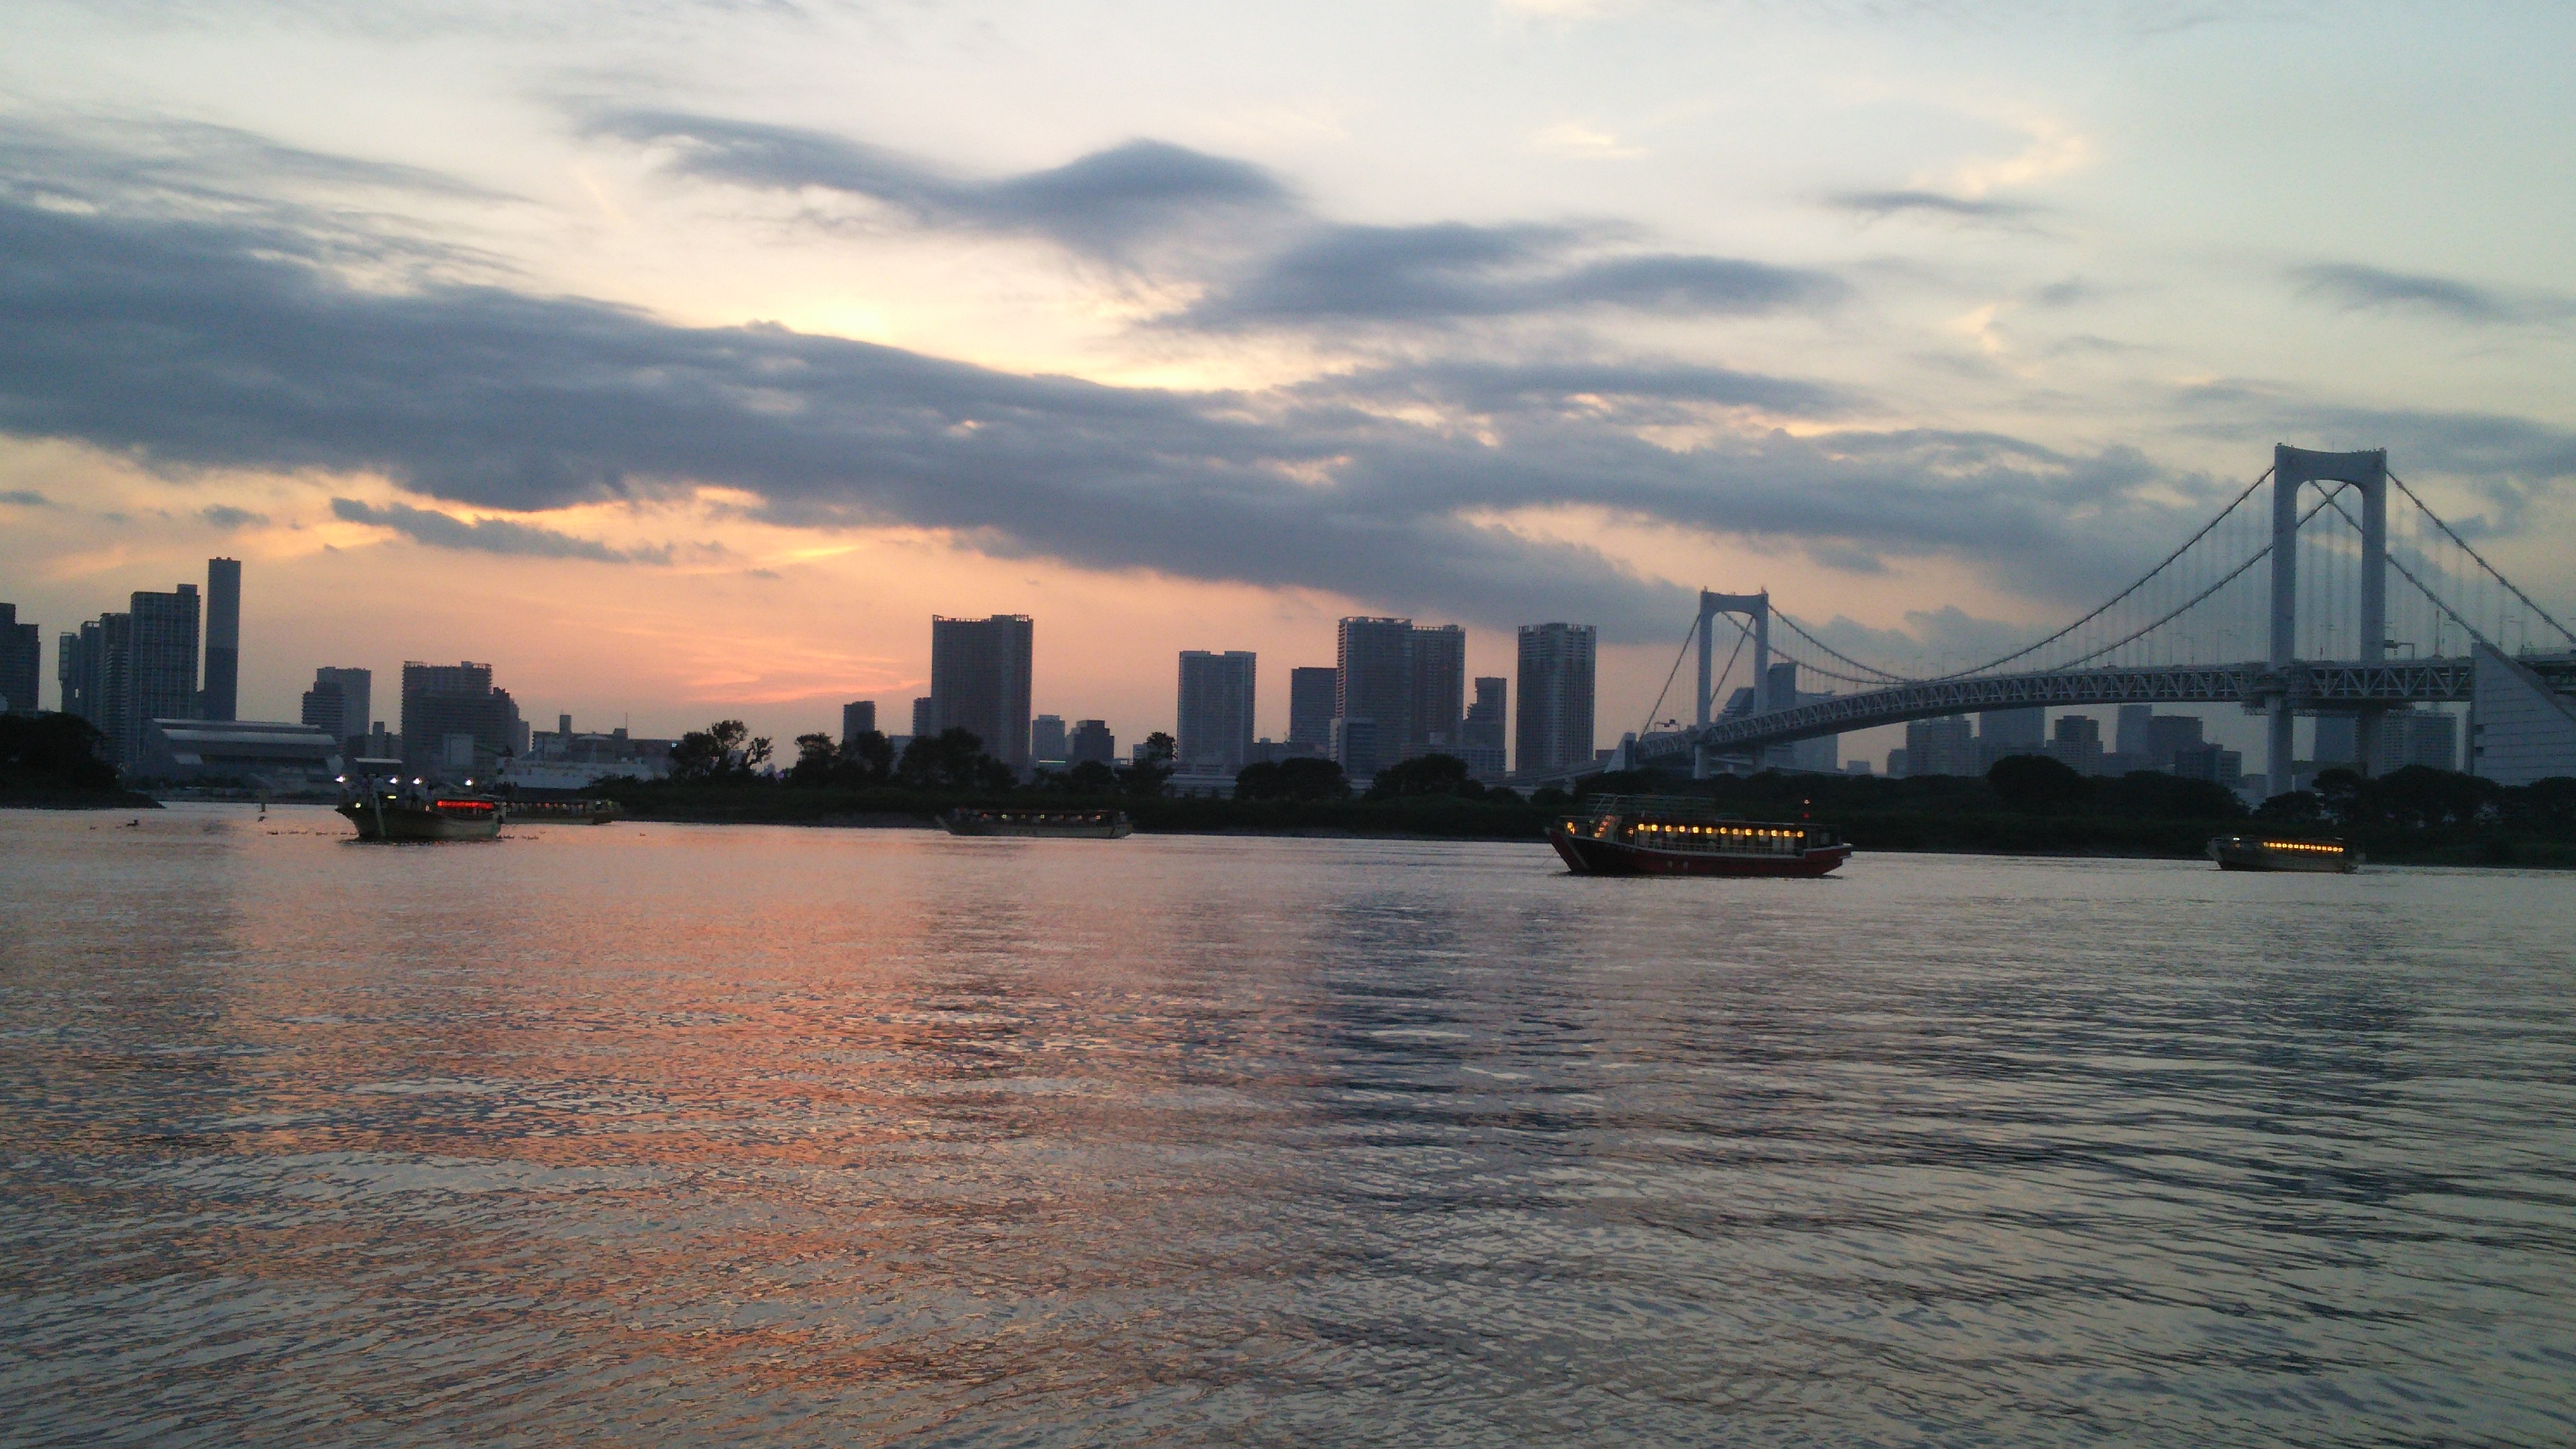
2264,852
390,810
1679,835
1054,824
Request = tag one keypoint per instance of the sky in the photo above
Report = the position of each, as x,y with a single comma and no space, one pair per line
681,360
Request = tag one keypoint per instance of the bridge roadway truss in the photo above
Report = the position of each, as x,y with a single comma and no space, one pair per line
2303,687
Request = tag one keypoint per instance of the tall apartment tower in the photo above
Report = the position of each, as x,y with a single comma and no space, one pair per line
1439,687
1554,728
1216,710
223,640
979,681
455,720
1484,728
22,662
353,693
1374,682
925,719
858,717
161,665
1311,692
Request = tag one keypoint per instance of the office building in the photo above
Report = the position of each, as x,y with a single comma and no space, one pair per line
222,697
22,662
1312,691
1943,746
2004,732
2426,737
286,758
1487,723
1355,748
90,665
923,718
858,717
1439,704
2169,735
456,722
160,666
340,701
2205,761
1090,739
1553,728
979,682
2129,729
1216,698
1821,755
2522,717
1046,740
2077,743
1373,659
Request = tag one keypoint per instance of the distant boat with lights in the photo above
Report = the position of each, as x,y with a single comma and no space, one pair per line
2261,852
389,809
1048,824
1676,835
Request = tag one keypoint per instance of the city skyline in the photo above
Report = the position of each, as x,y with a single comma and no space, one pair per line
1484,313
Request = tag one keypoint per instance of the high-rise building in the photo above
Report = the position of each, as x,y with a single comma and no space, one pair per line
353,690
1355,747
925,718
1216,710
222,699
979,681
85,663
455,721
1090,739
1820,754
1374,660
1486,725
2002,732
1311,695
1942,746
2076,743
2427,737
1046,740
1553,729
22,662
160,664
2130,730
1439,703
858,717
2168,735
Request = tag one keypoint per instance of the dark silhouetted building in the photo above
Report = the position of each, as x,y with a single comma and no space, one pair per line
1944,746
22,662
2003,732
1439,703
339,702
222,697
858,717
1215,724
1374,660
1090,739
1311,692
1488,720
160,665
1553,730
923,718
979,681
1046,740
2076,743
456,722
261,754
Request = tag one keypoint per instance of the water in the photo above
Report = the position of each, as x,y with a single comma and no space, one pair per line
656,1134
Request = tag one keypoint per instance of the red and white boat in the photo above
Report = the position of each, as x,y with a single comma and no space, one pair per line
1674,835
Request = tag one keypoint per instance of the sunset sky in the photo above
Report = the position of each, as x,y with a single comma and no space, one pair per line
683,360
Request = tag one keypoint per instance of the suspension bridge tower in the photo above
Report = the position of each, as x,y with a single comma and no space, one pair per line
2293,469
1756,607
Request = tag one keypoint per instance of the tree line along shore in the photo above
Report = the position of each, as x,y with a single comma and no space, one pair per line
2025,805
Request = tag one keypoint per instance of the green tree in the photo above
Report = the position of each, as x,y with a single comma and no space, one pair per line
952,760
1425,775
865,761
1151,767
45,752
725,752
1296,778
2037,784
813,767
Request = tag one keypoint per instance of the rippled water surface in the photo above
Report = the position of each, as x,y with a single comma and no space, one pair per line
657,1134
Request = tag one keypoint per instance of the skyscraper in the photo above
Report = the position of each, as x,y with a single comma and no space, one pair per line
455,720
160,664
1374,682
1311,691
223,640
1484,726
925,719
354,689
1216,710
979,681
1046,740
1090,739
22,662
1942,746
1439,701
1554,728
858,717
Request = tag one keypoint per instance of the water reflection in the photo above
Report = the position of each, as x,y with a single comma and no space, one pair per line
844,1137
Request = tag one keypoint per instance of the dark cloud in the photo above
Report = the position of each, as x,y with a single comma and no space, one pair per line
1451,270
25,498
2360,288
1933,203
193,345
487,535
1103,203
228,518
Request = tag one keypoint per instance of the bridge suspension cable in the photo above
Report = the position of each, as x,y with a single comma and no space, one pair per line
2453,534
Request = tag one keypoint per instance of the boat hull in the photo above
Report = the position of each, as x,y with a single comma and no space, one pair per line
1586,855
1036,825
2303,857
421,822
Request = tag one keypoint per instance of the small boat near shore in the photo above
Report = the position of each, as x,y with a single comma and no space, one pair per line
1049,824
1678,835
2263,852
